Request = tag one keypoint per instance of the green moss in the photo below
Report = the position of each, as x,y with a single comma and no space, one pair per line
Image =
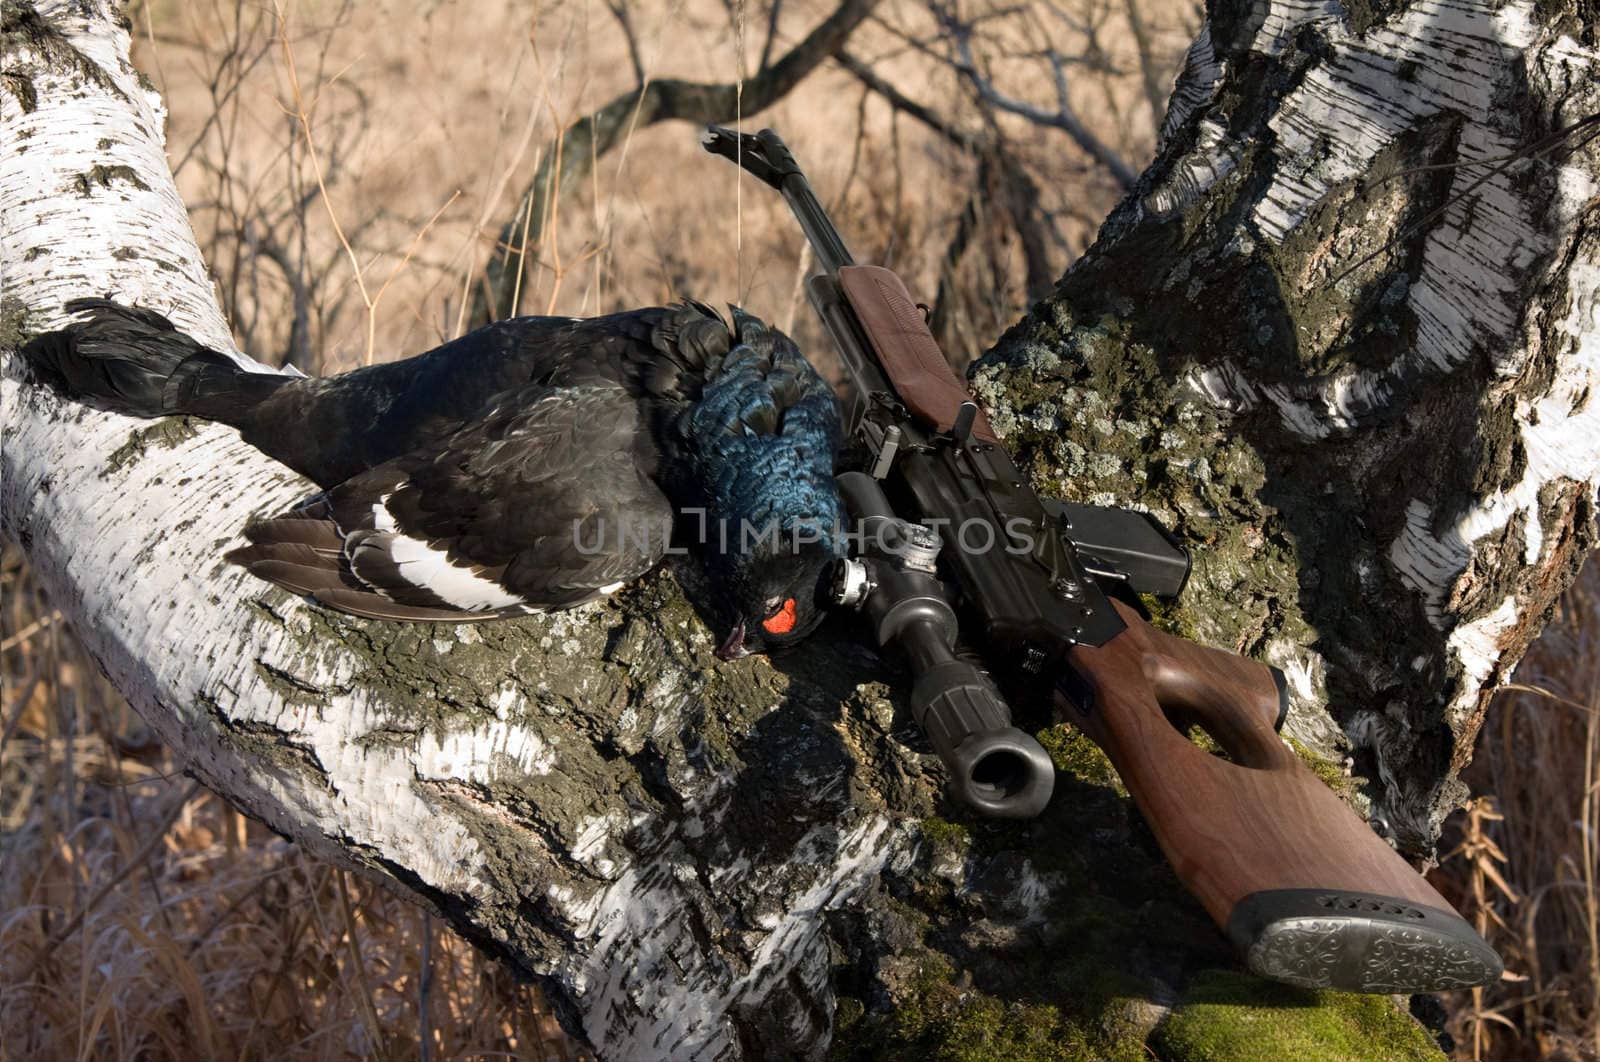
1166,614
945,1019
945,837
13,323
949,1019
1067,996
1330,773
1201,739
972,1027
846,1012
1074,753
1233,1017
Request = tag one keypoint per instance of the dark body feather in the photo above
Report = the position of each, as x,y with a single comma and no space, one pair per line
533,464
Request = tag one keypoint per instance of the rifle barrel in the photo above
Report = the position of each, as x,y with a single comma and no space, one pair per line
765,156
826,243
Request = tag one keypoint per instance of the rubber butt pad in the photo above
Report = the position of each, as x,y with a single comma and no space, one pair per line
1358,942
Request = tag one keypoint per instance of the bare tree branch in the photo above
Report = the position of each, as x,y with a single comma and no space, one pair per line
773,14
998,165
1062,118
864,73
1155,92
619,10
571,157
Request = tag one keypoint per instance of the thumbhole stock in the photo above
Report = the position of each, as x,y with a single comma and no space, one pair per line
1192,728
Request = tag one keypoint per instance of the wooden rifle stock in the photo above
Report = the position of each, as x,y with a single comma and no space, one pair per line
1303,887
909,354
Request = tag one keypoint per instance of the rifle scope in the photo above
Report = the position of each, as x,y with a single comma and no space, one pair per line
994,767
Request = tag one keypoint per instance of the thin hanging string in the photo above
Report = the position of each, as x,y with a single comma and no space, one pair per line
674,10
738,171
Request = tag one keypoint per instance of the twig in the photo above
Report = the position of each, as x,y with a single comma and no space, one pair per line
30,630
901,102
665,99
425,990
772,35
1063,118
1030,220
490,200
410,250
619,11
966,223
134,863
304,118
1150,71
17,706
369,1012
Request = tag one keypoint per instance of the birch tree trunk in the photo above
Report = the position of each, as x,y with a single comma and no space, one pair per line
704,861
1346,333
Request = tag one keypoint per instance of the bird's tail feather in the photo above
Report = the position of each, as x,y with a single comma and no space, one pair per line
134,361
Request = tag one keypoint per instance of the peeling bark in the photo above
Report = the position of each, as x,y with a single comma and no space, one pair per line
705,861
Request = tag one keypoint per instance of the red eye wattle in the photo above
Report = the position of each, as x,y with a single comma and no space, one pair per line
782,621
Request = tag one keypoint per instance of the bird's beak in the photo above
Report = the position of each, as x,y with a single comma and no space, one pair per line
732,647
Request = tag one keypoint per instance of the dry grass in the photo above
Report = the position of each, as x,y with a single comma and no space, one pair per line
1525,865
314,151
141,917
349,170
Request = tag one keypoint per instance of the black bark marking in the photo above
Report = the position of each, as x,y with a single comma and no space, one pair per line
23,30
102,175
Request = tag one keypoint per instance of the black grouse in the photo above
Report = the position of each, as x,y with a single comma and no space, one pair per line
534,464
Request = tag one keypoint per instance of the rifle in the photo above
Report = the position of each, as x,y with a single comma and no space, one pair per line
1305,890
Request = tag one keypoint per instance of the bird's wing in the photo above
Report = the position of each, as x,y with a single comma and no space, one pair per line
543,503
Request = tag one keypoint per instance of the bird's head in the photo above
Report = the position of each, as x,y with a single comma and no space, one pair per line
780,594
766,435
